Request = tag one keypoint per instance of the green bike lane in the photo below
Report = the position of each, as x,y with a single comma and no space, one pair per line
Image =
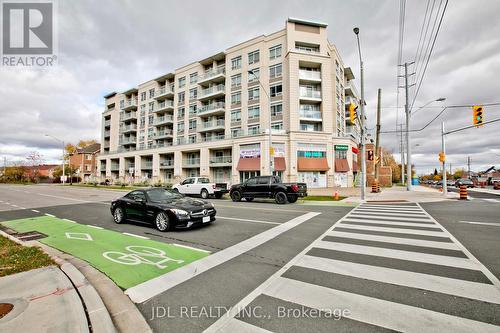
127,260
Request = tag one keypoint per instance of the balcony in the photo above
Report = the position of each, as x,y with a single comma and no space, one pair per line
163,120
212,109
221,160
129,166
309,76
166,91
350,90
128,141
212,125
212,92
107,123
191,162
128,116
309,115
147,165
210,138
107,134
162,145
163,134
165,106
128,129
115,167
310,95
130,104
217,75
167,164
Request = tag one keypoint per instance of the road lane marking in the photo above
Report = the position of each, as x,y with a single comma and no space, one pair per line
440,284
395,316
134,235
492,200
36,211
246,220
190,247
68,220
160,284
413,224
391,218
94,226
50,215
492,224
263,208
437,233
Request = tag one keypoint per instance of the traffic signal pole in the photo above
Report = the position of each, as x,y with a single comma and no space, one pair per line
443,150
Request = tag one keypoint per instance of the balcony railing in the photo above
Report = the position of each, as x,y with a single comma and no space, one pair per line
128,128
310,114
221,159
164,90
310,75
213,90
164,133
213,138
213,124
310,94
211,107
309,49
128,141
163,119
147,165
107,123
115,167
107,133
191,161
212,73
167,163
130,103
165,105
128,116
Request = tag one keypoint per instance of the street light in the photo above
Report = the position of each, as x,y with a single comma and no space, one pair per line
361,119
63,177
409,178
271,151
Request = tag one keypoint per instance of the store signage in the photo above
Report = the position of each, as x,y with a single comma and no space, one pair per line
341,147
250,153
313,154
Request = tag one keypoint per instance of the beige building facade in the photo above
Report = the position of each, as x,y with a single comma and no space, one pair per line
211,118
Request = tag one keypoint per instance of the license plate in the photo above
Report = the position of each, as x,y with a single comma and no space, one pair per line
205,219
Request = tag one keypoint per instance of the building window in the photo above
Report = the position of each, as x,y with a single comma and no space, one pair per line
236,63
276,90
253,130
236,98
143,96
244,175
236,132
182,82
122,104
275,71
253,112
193,93
255,76
180,126
307,47
151,93
88,157
193,78
192,138
192,110
142,122
275,52
182,97
181,113
278,126
150,119
253,93
340,154
192,124
235,115
253,57
311,127
143,109
236,80
276,110
151,106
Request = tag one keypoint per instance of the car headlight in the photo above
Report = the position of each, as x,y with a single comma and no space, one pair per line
180,212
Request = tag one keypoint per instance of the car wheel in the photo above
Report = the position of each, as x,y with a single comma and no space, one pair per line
162,221
248,199
119,215
176,190
280,198
204,194
292,198
236,196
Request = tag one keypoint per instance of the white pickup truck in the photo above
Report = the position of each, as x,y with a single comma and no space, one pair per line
200,186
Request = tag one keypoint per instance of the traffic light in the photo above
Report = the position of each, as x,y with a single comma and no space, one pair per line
477,115
370,155
352,112
442,157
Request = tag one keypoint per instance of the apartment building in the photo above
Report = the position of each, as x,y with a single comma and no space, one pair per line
84,161
212,117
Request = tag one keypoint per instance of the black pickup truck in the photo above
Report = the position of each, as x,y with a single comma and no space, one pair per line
268,187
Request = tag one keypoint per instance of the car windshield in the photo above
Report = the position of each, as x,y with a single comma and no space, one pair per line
162,195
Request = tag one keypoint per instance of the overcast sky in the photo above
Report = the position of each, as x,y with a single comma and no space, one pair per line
109,46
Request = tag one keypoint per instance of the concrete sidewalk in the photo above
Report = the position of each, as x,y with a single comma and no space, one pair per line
399,193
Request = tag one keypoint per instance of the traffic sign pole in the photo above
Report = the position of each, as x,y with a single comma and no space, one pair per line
443,150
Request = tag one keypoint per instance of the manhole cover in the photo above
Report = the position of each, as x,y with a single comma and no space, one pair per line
5,308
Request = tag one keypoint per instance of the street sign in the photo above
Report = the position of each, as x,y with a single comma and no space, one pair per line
271,151
341,147
64,178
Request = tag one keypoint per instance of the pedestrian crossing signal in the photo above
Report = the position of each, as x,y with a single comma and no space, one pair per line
352,112
477,115
442,157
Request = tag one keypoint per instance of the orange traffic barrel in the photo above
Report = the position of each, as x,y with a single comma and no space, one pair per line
463,192
374,186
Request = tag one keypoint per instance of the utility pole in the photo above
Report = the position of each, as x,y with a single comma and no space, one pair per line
468,167
408,139
402,147
362,120
377,136
443,149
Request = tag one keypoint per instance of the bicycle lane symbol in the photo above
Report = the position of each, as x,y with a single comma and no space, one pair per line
141,255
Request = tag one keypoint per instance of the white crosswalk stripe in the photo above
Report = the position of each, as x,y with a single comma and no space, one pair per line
388,249
492,200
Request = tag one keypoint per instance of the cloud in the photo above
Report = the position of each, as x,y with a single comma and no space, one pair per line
119,44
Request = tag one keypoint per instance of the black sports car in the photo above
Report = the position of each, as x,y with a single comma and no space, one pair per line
164,208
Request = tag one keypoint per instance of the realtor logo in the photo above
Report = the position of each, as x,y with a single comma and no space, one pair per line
28,33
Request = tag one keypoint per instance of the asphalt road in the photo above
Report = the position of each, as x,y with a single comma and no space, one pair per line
297,268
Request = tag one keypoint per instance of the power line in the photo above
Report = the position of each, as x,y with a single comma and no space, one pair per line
421,54
430,54
422,29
